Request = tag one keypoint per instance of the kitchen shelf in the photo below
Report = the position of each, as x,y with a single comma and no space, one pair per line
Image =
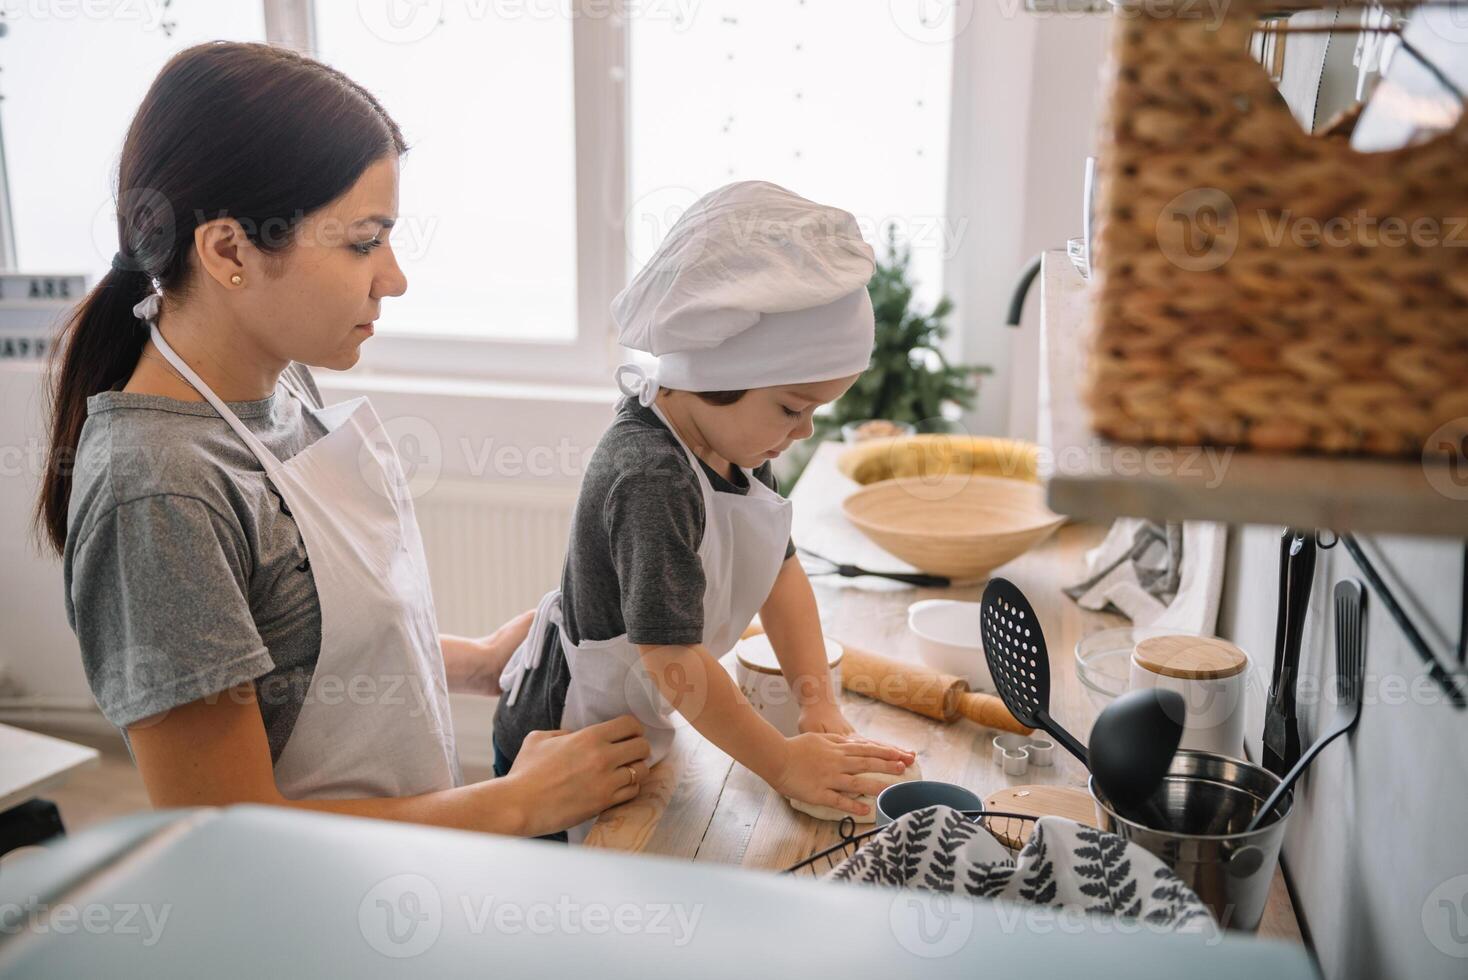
1095,479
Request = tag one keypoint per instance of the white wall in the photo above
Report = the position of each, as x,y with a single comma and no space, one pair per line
1024,120
37,649
1381,821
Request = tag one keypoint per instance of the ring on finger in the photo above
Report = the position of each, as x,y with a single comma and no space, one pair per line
635,778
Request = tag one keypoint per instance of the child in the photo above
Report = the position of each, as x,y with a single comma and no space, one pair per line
756,308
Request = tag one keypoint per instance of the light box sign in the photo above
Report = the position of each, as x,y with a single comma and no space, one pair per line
32,308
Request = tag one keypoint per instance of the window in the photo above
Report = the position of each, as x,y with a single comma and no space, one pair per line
844,103
73,76
514,185
538,178
487,219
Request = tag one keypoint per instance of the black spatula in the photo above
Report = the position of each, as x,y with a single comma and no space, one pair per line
1018,661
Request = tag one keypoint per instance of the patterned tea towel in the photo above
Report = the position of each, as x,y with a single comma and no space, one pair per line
1064,864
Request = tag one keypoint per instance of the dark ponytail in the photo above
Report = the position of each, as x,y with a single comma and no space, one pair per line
248,131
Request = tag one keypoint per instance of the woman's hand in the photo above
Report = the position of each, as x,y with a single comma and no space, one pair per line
824,718
562,778
473,666
823,768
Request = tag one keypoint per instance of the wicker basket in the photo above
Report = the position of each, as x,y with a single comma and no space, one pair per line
1217,316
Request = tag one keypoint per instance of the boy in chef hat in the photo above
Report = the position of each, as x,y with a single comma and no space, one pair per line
756,309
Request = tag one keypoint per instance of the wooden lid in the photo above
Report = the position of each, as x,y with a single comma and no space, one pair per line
1189,657
756,653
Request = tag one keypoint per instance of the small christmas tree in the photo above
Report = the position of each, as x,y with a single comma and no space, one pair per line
909,379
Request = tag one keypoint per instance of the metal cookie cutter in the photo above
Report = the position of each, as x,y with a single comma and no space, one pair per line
1016,753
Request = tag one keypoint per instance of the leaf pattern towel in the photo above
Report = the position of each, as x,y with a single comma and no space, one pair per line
1064,864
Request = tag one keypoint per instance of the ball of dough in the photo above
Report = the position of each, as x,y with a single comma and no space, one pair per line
912,772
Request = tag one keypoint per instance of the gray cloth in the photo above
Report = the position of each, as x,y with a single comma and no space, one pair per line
1155,555
185,573
1160,577
632,565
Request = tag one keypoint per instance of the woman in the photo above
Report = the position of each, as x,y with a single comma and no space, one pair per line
243,568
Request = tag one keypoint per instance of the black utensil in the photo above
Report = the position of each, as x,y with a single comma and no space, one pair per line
1132,745
825,566
1281,724
1350,677
1014,647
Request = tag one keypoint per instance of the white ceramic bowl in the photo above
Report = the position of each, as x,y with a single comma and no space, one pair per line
946,635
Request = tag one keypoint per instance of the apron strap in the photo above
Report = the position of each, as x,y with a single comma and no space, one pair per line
703,481
262,452
548,612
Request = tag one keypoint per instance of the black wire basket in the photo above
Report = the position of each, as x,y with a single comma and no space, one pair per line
1009,829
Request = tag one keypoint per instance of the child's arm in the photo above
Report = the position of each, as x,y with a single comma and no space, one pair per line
793,624
816,768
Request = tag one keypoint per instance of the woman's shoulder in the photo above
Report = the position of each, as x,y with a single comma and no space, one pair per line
135,446
131,451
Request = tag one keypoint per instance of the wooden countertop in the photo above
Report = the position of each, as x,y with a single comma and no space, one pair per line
701,805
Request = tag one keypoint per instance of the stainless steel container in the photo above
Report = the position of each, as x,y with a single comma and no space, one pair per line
1208,800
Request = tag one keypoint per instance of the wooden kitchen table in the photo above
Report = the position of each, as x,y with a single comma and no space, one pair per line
701,805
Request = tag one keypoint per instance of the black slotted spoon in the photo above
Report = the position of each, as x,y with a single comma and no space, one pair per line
1014,646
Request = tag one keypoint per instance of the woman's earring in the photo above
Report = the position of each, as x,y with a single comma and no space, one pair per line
237,279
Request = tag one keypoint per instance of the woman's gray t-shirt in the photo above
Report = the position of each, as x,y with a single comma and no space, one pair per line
185,573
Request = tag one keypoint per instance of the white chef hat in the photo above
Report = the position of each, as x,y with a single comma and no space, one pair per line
753,286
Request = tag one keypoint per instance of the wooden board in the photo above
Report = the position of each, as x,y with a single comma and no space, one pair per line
1037,801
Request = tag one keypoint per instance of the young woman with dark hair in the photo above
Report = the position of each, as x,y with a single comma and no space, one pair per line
243,568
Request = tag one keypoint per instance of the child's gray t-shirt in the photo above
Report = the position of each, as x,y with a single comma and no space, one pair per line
185,573
632,564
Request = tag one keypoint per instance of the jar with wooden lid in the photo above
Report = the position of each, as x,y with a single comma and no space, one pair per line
757,671
1211,674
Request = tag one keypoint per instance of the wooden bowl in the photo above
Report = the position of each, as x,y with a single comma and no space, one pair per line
932,457
961,526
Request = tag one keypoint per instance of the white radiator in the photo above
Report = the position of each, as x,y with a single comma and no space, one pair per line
494,548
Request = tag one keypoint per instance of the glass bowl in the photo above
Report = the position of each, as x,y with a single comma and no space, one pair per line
1104,663
1104,660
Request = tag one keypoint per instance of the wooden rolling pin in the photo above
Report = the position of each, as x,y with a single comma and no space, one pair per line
940,696
927,692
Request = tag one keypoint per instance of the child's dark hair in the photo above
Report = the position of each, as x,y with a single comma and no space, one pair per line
721,397
252,132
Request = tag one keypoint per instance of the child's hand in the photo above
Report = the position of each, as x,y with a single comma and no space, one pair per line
824,718
823,769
